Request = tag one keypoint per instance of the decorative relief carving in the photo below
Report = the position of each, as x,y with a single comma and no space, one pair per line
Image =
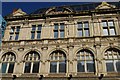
58,41
108,39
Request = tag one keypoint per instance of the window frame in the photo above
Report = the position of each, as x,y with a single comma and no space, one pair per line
85,56
81,31
112,52
56,54
108,27
60,29
14,31
37,31
6,58
32,56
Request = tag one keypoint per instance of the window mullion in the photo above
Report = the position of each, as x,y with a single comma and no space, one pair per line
7,67
114,61
57,66
31,67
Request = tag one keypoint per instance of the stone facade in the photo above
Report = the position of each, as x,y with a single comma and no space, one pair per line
97,43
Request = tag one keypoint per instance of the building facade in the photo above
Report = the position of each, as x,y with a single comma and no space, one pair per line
74,42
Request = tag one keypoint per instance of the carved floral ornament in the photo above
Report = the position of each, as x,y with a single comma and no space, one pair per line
105,5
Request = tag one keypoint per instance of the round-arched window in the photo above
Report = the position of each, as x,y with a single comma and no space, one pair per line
85,61
112,59
8,62
32,62
57,62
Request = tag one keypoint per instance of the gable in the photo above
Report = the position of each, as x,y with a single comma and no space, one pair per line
18,12
105,5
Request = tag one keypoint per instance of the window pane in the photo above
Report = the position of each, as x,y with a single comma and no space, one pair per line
109,65
55,34
62,26
110,23
90,66
27,67
105,31
62,67
80,66
80,33
53,67
80,25
4,66
16,37
62,34
11,67
86,25
38,35
12,29
112,31
32,35
35,67
33,27
11,36
18,29
55,26
104,24
118,66
86,33
39,27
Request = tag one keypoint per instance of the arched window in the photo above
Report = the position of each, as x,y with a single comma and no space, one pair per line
32,62
57,62
112,59
85,61
8,62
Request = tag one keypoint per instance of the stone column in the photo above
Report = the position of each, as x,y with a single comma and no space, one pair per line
70,59
99,58
44,64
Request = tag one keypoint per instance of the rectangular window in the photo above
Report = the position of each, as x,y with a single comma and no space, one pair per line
14,33
35,67
53,67
59,30
80,66
27,67
11,68
36,31
62,67
4,67
83,29
108,27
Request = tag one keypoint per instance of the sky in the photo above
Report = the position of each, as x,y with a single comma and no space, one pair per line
28,7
